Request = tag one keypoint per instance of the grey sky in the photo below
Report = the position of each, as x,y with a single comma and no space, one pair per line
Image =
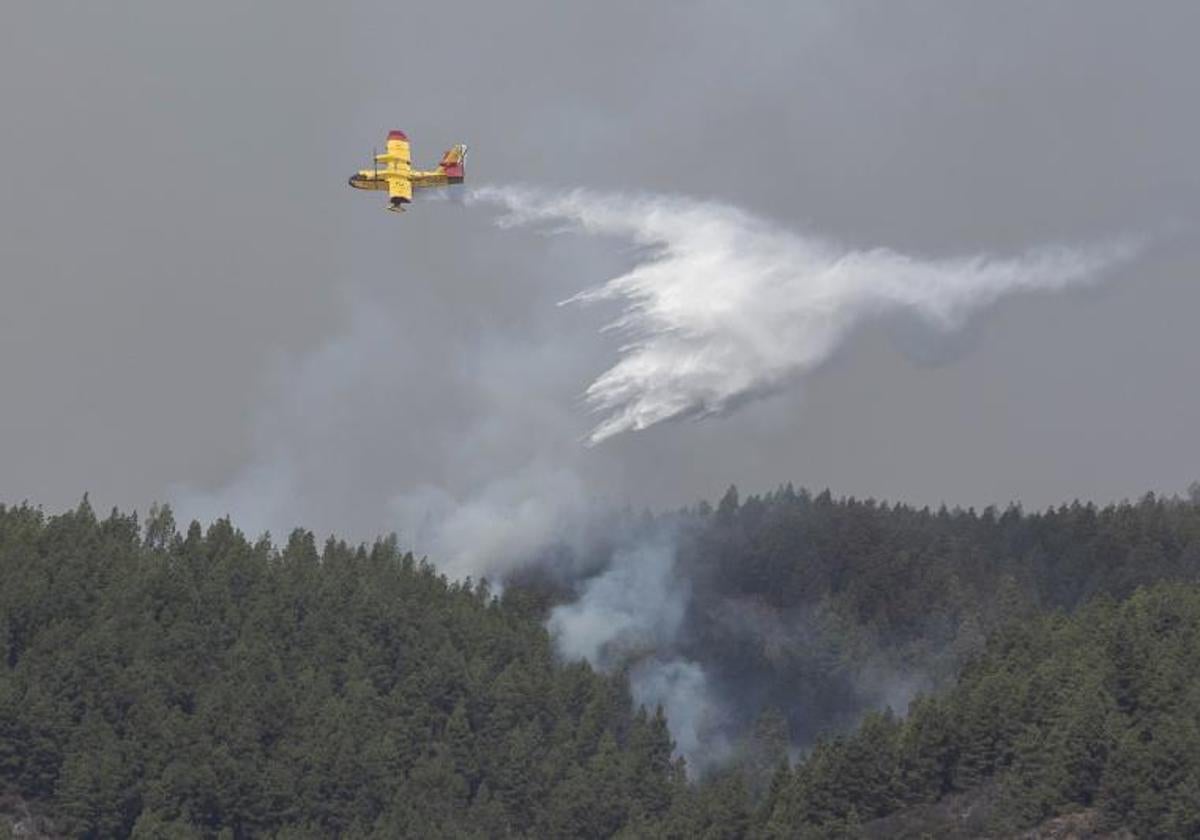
188,288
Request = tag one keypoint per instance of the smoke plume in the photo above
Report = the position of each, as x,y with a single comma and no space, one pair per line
632,615
482,471
724,306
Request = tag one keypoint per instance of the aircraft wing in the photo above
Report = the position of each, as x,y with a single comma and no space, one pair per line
366,179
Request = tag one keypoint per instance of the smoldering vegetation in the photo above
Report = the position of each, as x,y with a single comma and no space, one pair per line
819,610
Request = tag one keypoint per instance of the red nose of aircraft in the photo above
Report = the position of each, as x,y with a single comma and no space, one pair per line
397,134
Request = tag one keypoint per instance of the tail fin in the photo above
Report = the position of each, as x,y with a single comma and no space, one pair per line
453,164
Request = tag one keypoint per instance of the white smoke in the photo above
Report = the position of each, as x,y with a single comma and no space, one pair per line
632,615
336,441
695,718
726,306
635,606
506,524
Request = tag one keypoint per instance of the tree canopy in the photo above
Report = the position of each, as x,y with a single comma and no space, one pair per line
155,683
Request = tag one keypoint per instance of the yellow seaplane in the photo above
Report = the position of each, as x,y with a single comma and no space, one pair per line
393,171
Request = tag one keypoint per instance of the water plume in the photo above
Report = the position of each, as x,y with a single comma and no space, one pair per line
722,307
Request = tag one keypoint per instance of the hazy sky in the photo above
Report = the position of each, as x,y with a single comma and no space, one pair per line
194,305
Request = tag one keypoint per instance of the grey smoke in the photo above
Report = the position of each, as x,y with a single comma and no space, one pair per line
631,616
695,716
633,608
506,524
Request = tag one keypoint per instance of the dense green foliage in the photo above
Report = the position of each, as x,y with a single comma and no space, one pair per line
170,686
826,609
159,684
1100,709
1075,701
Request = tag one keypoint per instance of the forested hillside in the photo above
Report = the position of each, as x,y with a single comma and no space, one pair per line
190,686
198,684
823,609
1097,710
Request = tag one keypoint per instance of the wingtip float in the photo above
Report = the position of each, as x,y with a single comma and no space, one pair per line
393,171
